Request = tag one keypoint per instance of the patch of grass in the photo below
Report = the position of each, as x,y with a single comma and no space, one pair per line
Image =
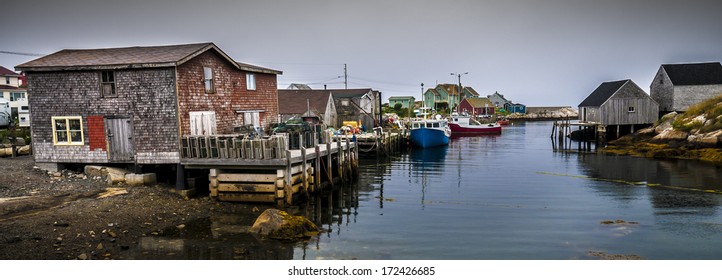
711,109
24,133
664,119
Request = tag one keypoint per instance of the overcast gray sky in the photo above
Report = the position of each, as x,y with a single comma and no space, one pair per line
534,52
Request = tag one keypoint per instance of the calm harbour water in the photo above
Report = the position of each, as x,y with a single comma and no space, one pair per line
511,197
503,197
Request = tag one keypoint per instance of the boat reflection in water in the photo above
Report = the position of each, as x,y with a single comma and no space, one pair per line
431,154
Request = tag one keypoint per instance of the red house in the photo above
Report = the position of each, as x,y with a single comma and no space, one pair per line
477,106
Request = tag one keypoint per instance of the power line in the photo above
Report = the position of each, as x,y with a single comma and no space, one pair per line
22,53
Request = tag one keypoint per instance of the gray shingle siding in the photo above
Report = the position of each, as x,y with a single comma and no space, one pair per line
619,96
677,86
148,96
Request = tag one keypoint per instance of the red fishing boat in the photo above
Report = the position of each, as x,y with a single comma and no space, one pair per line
503,122
465,125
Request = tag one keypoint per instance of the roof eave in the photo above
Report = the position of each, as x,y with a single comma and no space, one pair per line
94,67
259,70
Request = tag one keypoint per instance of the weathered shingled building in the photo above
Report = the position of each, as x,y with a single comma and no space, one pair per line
677,86
132,105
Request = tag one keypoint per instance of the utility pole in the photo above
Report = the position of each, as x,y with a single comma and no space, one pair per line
460,88
345,77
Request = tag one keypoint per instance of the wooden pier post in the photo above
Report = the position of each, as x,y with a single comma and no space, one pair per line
287,189
304,170
356,160
329,162
377,140
339,158
579,144
347,159
213,182
317,170
385,140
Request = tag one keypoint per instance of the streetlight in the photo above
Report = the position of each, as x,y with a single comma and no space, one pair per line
459,75
423,102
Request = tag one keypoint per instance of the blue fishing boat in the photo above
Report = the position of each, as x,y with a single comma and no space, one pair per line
430,132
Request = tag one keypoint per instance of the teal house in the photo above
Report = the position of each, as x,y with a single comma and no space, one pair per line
405,101
447,96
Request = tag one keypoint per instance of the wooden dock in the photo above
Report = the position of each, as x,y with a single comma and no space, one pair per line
379,142
562,142
264,170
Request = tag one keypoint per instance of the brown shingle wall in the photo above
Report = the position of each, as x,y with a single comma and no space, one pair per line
230,93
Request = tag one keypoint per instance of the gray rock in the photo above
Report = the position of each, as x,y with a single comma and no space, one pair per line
670,135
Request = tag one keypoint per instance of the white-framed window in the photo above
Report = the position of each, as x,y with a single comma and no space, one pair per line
208,79
68,130
630,109
107,84
251,118
250,81
16,96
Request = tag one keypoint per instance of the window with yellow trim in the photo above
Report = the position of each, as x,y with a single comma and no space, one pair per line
67,130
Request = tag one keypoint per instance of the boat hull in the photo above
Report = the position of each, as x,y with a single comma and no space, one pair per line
426,137
457,129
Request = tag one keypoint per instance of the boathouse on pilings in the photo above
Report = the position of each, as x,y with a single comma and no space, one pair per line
618,108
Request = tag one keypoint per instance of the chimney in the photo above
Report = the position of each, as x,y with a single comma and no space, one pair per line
324,87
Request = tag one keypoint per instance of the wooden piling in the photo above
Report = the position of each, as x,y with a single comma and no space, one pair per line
329,162
340,159
317,169
304,169
347,159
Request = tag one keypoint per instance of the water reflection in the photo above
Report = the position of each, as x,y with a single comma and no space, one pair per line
672,183
503,197
219,237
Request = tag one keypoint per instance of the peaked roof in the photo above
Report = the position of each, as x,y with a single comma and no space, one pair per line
433,91
348,93
602,93
129,57
479,102
497,94
7,72
299,86
694,74
292,101
451,89
471,91
401,97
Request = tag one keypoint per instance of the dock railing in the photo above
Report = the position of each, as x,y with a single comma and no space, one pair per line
234,146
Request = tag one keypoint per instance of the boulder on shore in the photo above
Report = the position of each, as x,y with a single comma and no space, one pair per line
277,224
670,135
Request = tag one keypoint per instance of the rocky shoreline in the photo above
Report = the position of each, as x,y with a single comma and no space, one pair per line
69,215
693,135
546,114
